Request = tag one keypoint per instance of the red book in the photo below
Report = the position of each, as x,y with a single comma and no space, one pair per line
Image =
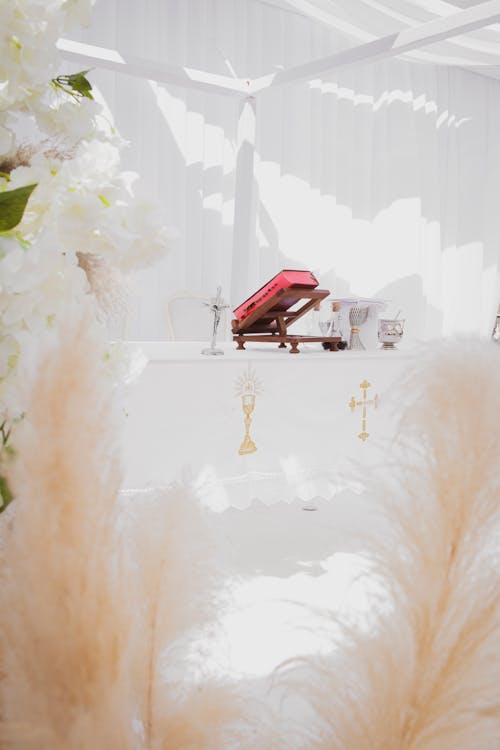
287,279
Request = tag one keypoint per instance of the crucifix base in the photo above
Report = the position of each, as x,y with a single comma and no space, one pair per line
212,351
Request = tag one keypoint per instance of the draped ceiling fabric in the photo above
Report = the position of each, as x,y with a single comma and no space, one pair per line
365,20
384,179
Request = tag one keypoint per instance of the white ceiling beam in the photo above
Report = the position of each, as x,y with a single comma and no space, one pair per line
393,45
407,40
90,56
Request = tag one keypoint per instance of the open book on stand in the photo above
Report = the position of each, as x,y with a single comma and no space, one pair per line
267,315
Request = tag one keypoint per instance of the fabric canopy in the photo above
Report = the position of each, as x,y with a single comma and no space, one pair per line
365,20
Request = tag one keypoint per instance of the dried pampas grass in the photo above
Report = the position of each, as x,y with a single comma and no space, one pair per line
107,284
427,676
64,616
22,155
172,579
99,596
96,593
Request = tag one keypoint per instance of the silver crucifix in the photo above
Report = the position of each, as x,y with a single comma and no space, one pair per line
216,305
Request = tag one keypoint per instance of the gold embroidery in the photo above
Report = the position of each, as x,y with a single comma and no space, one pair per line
248,387
363,435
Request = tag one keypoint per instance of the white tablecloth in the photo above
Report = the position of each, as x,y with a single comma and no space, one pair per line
185,420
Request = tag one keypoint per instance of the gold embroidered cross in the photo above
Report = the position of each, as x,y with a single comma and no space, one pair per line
363,435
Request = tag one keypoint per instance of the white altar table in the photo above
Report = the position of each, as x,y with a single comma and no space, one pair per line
302,435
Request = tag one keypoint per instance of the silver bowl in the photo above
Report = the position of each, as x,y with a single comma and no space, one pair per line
390,332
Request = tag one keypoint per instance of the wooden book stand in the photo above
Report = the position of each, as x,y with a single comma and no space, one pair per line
269,321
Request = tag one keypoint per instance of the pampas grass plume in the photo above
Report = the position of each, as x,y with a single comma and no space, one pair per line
98,591
173,581
64,621
427,676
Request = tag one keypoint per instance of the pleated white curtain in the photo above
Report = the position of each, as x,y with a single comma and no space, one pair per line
386,183
384,180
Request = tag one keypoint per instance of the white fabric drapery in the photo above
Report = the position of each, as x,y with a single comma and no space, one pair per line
306,438
365,20
383,179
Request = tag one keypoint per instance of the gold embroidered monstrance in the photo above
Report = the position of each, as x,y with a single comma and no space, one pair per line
248,388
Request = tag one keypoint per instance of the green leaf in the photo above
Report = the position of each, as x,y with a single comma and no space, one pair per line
5,432
78,82
6,496
76,85
12,205
23,243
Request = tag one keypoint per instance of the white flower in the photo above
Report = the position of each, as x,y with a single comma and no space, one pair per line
95,165
77,12
28,56
38,286
92,207
82,202
56,115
